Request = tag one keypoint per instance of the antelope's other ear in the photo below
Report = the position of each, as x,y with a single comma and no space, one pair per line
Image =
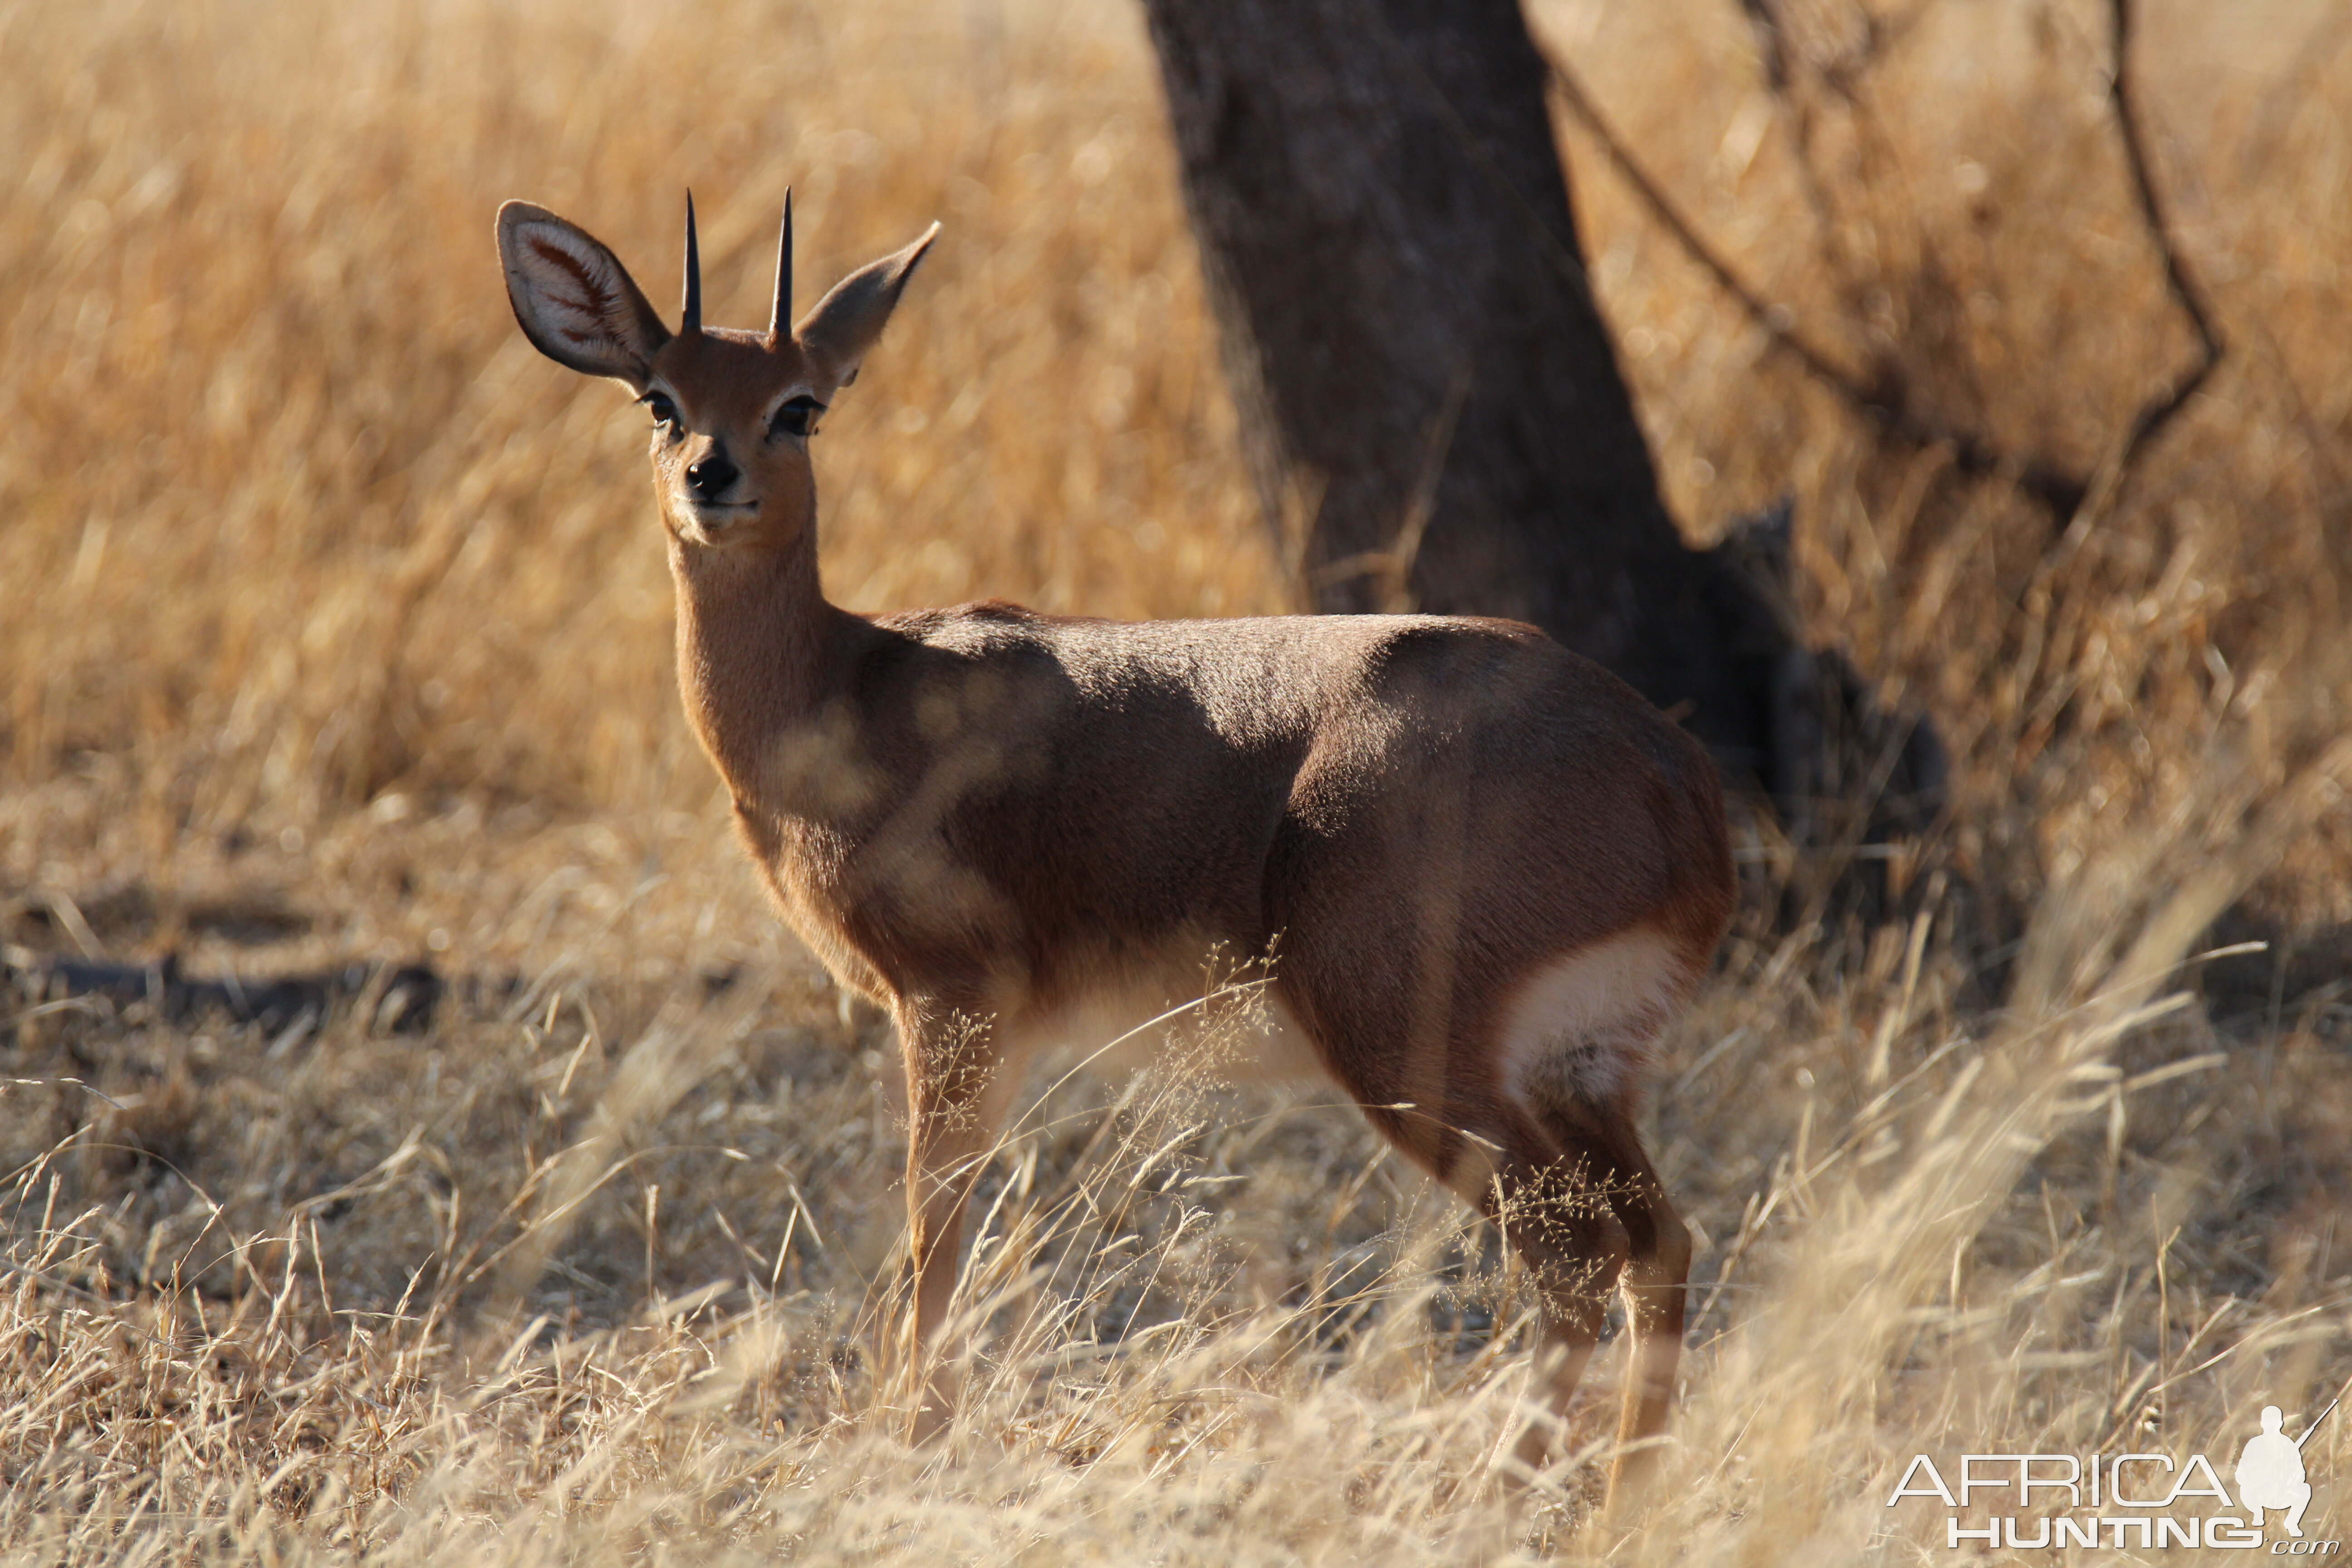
574,300
846,323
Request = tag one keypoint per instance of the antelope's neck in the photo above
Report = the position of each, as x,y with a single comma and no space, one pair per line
754,636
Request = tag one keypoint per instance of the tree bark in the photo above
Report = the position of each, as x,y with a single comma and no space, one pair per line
1434,409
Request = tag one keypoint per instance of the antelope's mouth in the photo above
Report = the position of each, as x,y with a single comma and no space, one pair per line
714,524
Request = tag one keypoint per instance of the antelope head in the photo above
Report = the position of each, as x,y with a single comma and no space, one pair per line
733,411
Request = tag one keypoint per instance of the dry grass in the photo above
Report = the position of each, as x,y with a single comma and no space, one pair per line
332,624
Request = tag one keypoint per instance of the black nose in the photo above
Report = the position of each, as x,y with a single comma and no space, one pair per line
712,475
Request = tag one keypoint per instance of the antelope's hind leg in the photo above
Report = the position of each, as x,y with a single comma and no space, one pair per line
1497,1156
1581,1092
1574,1247
1608,1155
1483,1141
1575,1197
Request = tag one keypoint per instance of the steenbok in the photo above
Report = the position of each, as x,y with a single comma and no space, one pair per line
1490,872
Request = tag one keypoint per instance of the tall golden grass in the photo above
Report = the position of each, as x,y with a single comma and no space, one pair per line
275,440
332,624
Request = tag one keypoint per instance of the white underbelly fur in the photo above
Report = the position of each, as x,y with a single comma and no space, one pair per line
1582,1025
1150,1018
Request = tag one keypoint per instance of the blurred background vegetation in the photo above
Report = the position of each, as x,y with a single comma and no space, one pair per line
334,629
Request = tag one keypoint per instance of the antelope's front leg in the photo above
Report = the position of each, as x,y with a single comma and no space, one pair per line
957,1086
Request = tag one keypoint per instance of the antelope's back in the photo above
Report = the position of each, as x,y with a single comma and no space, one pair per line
1132,776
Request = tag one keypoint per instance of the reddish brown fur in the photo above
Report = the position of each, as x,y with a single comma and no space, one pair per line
979,817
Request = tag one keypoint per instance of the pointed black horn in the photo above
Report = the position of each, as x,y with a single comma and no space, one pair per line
690,317
780,324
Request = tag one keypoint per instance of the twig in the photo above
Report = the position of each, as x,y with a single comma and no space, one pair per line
1393,566
1879,34
1772,41
1886,404
2160,411
2064,493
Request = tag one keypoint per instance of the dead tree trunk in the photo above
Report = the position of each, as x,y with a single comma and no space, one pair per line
1434,407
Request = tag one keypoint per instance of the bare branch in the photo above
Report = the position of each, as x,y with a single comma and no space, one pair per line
1771,40
1882,397
1886,402
2158,411
1843,73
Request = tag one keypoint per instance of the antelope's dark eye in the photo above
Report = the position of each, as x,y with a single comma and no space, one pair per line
796,417
664,411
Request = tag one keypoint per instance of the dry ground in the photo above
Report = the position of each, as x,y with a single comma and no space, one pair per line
332,627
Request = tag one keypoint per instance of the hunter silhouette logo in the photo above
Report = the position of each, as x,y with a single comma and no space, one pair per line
2147,1500
2269,1472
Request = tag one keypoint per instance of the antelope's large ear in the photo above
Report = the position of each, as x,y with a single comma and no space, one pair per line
846,323
574,300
